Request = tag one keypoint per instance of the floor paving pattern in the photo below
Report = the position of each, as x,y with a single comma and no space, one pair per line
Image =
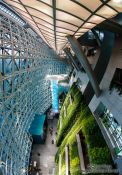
44,154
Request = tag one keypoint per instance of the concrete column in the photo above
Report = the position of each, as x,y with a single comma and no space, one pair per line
80,152
60,164
67,160
70,100
65,112
84,62
60,121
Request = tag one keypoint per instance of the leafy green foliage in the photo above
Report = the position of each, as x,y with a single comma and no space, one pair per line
92,133
63,165
66,103
79,118
100,155
74,159
72,115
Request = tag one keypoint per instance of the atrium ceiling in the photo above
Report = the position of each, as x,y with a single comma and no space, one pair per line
53,20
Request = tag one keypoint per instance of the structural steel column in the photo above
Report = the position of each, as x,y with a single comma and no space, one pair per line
83,60
106,48
97,37
71,58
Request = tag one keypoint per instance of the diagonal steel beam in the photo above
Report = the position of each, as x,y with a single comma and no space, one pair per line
84,62
69,55
97,37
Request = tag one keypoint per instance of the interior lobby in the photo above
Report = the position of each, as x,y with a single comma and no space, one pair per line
60,87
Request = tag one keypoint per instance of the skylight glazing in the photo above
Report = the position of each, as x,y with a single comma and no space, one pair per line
59,18
8,12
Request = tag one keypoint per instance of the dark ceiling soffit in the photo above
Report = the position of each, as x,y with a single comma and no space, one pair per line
110,26
97,37
84,41
93,13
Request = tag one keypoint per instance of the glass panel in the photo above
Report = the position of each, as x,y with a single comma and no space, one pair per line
18,5
48,34
52,43
39,32
45,28
39,14
65,25
64,31
24,14
82,30
49,40
52,38
90,4
47,1
73,8
61,34
68,18
116,5
44,39
77,37
31,22
88,25
59,39
96,19
106,12
61,43
39,21
60,46
79,34
33,25
39,6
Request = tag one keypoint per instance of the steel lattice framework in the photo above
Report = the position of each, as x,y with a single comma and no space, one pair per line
24,91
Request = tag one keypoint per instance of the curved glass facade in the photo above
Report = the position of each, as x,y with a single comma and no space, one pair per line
24,91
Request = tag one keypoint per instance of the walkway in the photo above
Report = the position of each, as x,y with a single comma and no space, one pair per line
44,154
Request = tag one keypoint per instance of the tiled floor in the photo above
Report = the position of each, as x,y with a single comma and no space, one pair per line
46,159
